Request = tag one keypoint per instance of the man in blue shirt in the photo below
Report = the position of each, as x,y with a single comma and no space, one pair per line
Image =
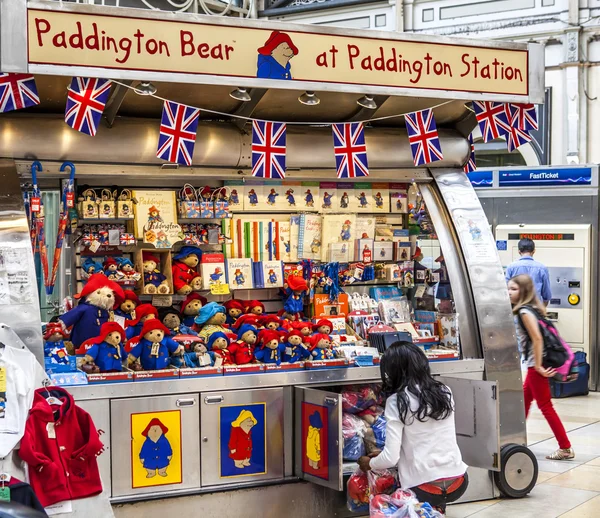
527,265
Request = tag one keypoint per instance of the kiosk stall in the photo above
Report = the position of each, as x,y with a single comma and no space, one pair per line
199,61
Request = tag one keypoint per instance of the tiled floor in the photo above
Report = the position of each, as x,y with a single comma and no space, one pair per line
567,489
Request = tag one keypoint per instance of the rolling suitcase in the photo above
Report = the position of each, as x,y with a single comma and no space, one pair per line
579,387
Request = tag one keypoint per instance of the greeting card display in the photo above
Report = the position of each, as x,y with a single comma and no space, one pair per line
398,198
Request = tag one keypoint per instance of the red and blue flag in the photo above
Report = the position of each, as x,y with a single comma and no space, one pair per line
493,119
524,116
470,166
268,149
85,103
350,150
423,137
177,136
17,91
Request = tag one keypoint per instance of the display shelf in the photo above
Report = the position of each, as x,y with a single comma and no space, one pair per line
195,220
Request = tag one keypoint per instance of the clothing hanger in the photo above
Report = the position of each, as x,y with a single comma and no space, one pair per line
50,399
4,475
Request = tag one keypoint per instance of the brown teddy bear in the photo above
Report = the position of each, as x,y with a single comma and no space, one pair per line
154,280
212,319
190,308
185,274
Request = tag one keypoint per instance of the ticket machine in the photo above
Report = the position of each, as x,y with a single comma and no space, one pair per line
565,250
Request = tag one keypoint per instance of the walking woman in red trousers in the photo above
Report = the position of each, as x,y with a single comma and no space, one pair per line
527,308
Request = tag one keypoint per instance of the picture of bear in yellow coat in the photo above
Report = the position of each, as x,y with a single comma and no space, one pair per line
313,440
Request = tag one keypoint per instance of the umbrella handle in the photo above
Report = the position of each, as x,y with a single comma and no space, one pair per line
64,166
35,168
69,186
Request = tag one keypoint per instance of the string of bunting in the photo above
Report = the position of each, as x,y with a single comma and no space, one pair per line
87,98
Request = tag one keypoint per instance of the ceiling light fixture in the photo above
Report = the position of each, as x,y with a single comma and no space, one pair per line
145,88
366,101
240,94
309,98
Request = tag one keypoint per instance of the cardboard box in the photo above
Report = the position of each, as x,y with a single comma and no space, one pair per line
323,307
165,267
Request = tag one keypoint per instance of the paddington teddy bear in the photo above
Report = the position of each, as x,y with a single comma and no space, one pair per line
89,268
107,351
304,327
271,322
155,347
212,319
55,348
242,351
254,307
185,274
294,289
218,345
128,306
320,347
171,319
97,299
195,358
295,350
143,313
154,280
110,267
126,274
234,309
323,326
190,308
270,349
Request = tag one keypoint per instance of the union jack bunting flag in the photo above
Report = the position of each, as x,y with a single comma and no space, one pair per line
350,150
423,137
492,118
85,103
470,166
268,149
524,116
177,133
517,137
17,91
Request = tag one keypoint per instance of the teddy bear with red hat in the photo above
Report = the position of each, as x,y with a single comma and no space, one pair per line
270,349
143,313
111,268
295,350
323,326
321,347
234,308
96,302
185,274
126,308
54,346
154,280
190,308
295,288
255,307
155,347
242,351
106,352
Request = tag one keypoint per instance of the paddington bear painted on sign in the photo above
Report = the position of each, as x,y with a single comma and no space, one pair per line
313,440
240,439
274,57
156,452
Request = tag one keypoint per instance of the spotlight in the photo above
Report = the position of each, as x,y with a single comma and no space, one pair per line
240,94
145,88
309,98
366,101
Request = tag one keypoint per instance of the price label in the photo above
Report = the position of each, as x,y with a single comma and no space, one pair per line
34,204
70,200
4,494
162,301
94,246
219,289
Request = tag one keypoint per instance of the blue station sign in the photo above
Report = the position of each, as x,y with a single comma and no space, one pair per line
481,179
563,176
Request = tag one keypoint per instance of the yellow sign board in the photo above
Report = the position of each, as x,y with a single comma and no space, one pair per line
156,449
120,42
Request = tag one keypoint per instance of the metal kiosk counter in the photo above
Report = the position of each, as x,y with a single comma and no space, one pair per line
199,60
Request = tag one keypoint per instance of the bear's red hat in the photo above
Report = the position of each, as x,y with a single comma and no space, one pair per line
249,319
152,324
190,298
146,256
322,322
108,327
276,39
141,311
267,319
233,304
97,281
54,327
297,283
253,304
316,338
266,335
294,332
129,295
154,422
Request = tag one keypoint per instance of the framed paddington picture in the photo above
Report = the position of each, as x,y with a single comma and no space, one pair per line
153,207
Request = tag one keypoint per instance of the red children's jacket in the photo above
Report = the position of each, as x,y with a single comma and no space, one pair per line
60,445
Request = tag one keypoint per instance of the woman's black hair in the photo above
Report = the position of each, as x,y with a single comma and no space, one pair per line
405,369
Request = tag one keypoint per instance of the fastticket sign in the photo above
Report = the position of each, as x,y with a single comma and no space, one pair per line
565,177
121,42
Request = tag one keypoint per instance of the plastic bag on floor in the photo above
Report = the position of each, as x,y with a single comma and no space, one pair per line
363,486
400,504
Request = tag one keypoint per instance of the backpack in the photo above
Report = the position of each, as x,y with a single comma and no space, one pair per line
557,353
